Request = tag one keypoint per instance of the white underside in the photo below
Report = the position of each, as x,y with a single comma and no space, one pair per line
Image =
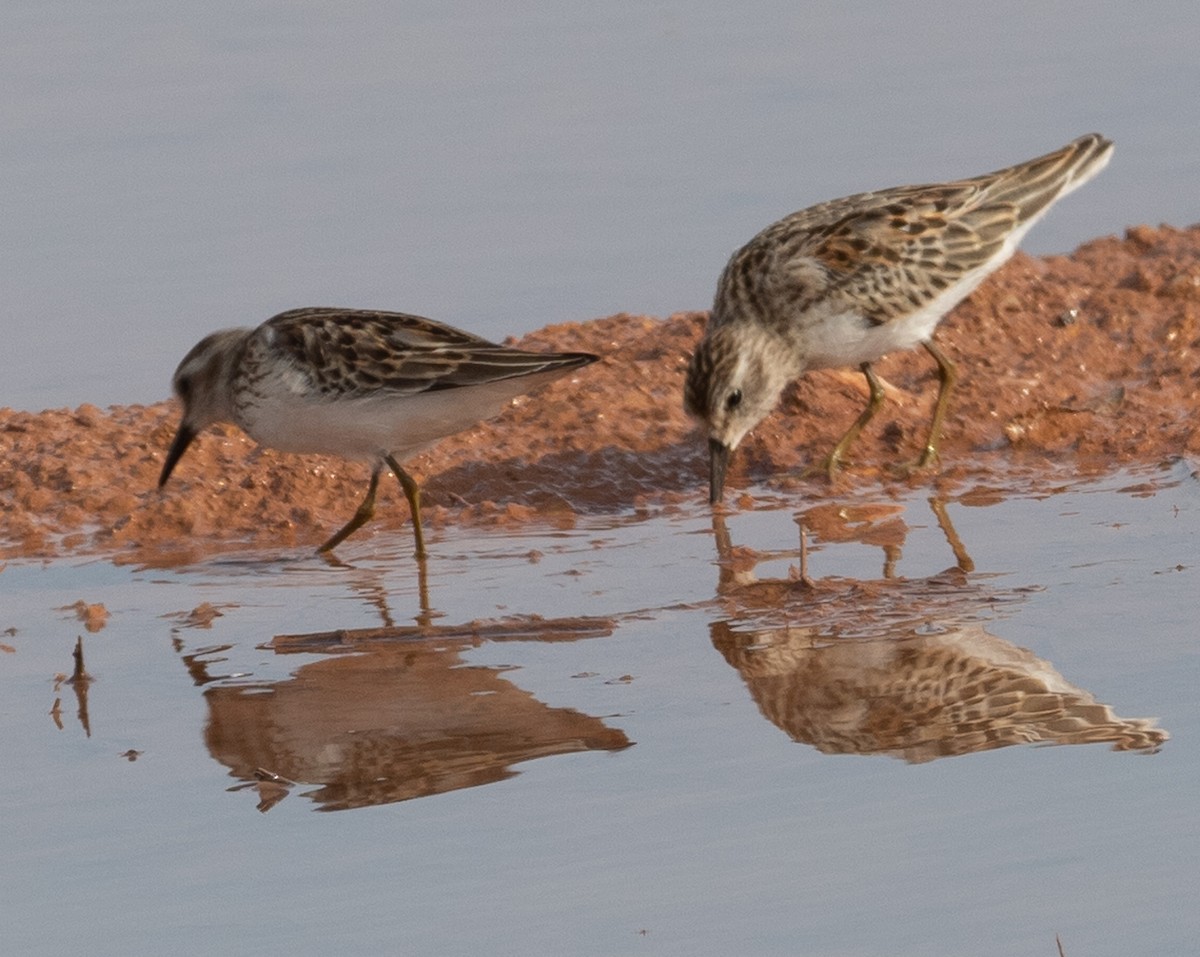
368,428
832,339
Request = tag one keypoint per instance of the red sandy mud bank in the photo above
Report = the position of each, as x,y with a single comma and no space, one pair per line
1089,361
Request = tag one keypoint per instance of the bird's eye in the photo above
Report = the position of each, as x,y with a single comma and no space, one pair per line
183,387
734,400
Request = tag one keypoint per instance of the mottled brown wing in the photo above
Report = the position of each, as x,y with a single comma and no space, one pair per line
1031,186
891,259
893,250
358,352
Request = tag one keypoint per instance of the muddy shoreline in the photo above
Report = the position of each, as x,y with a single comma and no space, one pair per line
1078,364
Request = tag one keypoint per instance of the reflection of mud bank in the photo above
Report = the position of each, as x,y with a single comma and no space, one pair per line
1091,361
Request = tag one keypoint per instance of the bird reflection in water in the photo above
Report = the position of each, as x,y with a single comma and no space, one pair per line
389,714
896,666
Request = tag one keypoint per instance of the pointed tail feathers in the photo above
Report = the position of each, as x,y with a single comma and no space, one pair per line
1033,186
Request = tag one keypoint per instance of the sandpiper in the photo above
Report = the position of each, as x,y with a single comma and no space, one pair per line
362,384
847,281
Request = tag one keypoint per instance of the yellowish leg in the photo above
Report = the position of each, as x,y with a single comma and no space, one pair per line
363,515
947,376
412,492
875,400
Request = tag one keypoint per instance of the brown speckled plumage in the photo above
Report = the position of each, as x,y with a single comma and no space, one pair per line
920,697
844,282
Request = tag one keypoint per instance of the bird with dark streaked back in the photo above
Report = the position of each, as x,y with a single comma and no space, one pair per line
362,384
848,281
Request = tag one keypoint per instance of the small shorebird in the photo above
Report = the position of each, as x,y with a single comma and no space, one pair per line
847,281
358,383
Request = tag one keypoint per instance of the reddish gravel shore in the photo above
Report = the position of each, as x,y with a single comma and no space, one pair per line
1087,362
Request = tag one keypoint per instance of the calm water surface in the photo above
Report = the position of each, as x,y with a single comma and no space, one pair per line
174,168
631,750
626,752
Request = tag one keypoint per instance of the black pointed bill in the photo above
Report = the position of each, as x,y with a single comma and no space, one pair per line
183,438
718,462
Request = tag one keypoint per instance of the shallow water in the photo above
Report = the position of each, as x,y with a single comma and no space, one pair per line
171,169
603,740
597,740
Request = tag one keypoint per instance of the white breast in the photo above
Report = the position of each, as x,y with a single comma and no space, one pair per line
279,415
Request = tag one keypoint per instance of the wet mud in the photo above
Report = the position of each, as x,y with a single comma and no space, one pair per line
1084,364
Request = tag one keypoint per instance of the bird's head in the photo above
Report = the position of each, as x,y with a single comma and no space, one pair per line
733,383
203,383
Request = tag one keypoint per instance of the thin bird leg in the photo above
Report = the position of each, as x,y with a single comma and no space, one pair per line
412,492
364,514
961,558
834,462
947,376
